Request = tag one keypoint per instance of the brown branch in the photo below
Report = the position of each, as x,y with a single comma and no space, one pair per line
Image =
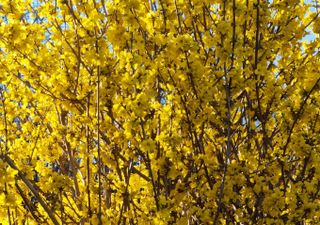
298,115
11,163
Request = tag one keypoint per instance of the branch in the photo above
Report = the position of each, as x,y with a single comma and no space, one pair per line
298,115
10,162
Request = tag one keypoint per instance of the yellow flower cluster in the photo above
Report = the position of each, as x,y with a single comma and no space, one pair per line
159,112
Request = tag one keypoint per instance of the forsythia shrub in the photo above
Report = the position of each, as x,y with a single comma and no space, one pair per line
159,112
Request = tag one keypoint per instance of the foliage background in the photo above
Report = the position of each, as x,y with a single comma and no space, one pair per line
159,112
